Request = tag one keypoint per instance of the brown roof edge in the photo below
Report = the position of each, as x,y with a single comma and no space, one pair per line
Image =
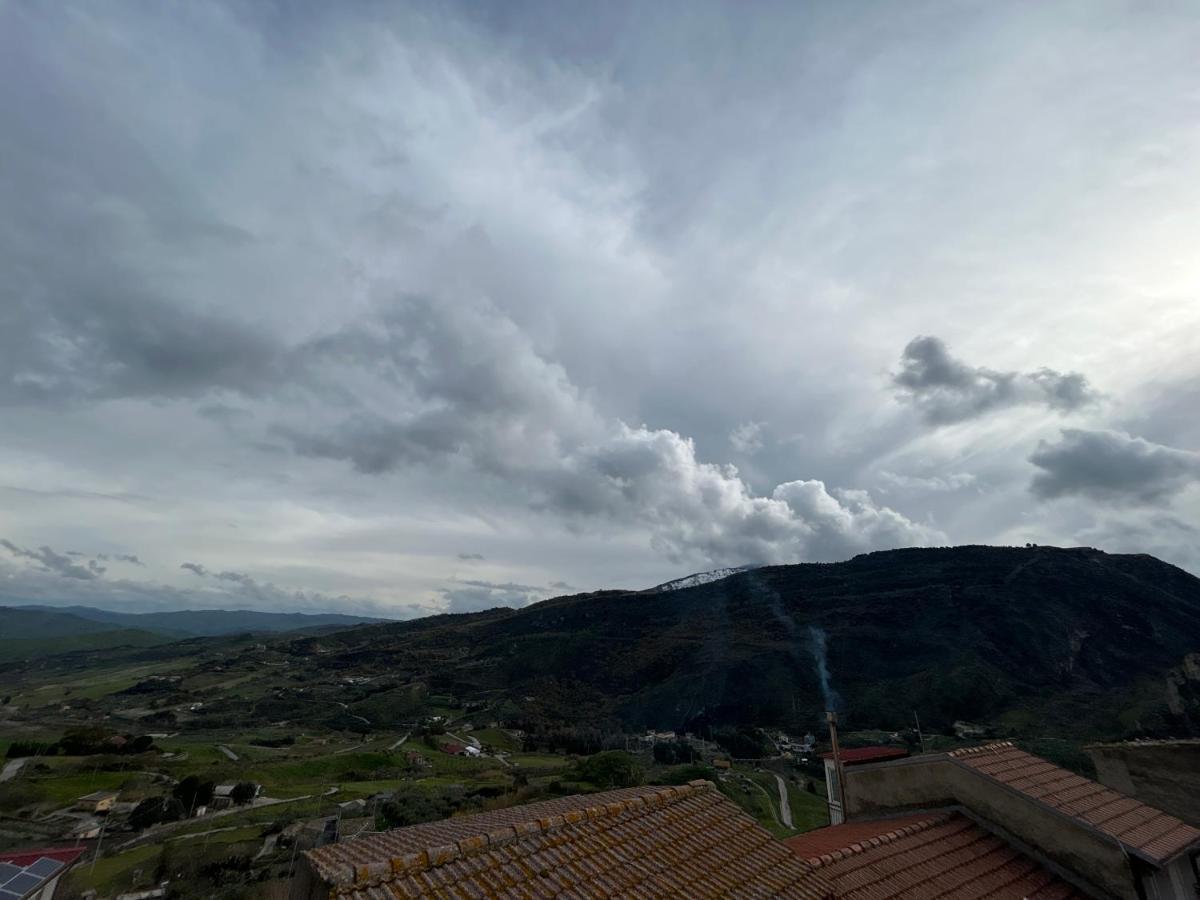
346,877
983,748
934,818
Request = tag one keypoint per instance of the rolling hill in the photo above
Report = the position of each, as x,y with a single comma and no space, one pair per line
31,632
193,622
1029,640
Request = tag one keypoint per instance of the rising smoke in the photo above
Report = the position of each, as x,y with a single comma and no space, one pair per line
816,642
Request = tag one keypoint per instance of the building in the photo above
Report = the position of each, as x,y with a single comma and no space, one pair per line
97,802
223,795
1105,843
686,841
415,758
856,756
34,874
934,854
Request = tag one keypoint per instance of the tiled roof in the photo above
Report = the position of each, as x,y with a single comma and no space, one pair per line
1148,832
819,841
687,841
868,754
939,854
25,857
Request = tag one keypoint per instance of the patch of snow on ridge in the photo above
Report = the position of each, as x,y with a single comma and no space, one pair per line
699,578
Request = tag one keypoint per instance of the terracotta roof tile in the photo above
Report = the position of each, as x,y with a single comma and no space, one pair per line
687,841
1148,832
813,844
860,755
940,854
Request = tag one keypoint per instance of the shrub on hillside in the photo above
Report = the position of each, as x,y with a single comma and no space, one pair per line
610,769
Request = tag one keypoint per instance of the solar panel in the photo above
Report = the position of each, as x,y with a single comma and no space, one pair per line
22,883
7,871
9,895
44,867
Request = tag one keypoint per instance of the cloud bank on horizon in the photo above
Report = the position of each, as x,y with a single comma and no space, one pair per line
396,311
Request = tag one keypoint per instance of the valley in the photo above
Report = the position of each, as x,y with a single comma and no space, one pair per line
331,732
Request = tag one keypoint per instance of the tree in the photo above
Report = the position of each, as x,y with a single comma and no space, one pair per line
610,769
153,810
141,744
192,792
83,741
244,792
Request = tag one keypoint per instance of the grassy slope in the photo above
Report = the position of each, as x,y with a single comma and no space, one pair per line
12,649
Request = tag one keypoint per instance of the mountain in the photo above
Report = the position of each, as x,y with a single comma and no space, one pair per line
1035,640
699,578
203,622
31,633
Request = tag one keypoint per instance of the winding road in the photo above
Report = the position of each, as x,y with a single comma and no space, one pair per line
785,807
11,768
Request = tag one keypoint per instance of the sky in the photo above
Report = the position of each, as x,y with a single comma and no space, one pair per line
403,308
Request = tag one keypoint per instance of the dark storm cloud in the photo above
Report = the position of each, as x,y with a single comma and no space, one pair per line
1111,466
194,568
82,316
58,563
947,390
84,341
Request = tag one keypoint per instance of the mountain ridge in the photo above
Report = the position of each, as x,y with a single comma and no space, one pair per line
184,623
1073,640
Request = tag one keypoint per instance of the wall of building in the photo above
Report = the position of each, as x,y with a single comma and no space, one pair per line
931,782
1175,881
1163,774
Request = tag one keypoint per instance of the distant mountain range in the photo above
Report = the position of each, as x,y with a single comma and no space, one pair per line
31,631
1027,640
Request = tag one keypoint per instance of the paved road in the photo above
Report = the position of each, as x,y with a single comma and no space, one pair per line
785,807
11,768
401,741
465,741
227,752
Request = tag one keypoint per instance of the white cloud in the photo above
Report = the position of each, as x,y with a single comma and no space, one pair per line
604,257
747,438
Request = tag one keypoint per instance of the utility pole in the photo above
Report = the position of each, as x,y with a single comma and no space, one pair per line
99,841
920,736
831,718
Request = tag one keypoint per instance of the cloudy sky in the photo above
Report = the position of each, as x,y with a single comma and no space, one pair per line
386,308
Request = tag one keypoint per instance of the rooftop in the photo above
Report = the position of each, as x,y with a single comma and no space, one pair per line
1145,831
22,872
933,854
681,841
859,755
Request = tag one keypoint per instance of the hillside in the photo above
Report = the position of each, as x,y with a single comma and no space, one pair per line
187,623
1029,640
